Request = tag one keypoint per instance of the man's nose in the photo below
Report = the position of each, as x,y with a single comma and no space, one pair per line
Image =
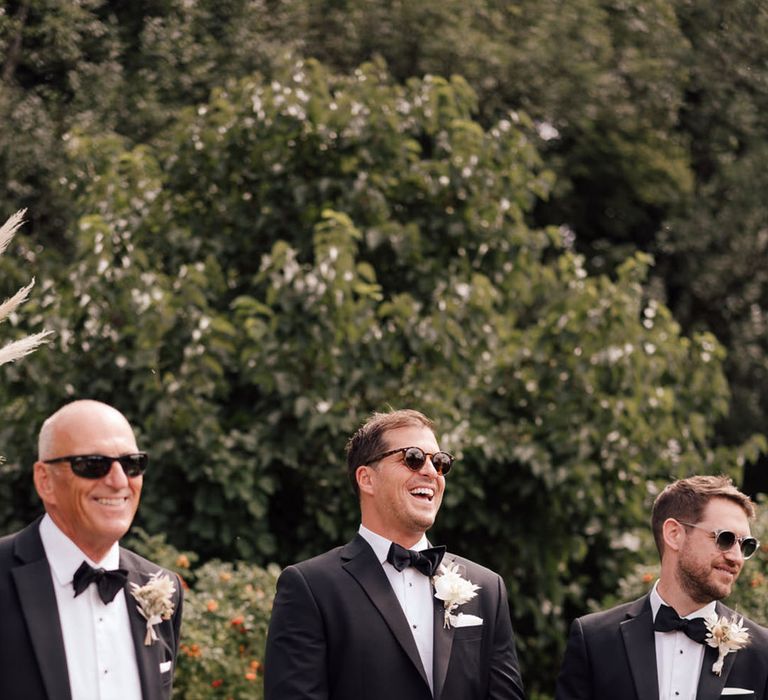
116,476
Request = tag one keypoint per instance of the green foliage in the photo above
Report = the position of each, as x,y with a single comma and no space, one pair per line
226,615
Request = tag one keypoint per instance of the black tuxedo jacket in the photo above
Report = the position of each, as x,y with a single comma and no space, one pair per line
33,664
612,654
338,633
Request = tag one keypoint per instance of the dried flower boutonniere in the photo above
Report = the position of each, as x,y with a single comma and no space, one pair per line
725,636
155,600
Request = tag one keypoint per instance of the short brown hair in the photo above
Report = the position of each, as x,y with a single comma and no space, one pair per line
368,440
686,499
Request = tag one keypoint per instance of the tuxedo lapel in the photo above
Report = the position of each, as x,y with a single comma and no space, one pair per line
41,613
443,641
710,684
148,657
360,562
640,646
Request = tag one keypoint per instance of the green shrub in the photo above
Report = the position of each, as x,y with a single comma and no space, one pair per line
227,607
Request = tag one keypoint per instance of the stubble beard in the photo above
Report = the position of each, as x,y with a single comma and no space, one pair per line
694,580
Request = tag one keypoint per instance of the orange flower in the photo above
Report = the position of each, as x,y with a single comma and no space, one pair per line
182,561
255,665
212,605
225,576
218,682
237,621
647,578
193,652
250,676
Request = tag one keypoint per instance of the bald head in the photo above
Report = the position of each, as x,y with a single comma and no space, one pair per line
93,510
73,421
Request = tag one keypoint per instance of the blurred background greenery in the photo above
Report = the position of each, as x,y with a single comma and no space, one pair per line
254,222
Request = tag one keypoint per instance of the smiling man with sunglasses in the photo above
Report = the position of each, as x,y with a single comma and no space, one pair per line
362,622
62,638
656,648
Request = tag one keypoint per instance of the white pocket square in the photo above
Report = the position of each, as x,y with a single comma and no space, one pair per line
737,691
463,620
165,666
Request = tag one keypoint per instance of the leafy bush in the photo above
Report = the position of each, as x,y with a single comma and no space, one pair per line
227,607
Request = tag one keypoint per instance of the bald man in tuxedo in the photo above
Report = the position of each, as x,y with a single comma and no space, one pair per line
70,625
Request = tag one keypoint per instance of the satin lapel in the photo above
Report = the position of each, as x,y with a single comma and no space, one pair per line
362,565
710,684
640,646
443,642
149,657
38,604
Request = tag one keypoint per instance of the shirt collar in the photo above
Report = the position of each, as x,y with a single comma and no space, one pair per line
381,545
657,601
64,556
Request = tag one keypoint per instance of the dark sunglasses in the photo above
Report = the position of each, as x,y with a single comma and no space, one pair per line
414,458
725,539
97,466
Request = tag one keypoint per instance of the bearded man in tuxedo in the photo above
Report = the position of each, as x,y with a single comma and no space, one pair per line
658,647
62,638
364,621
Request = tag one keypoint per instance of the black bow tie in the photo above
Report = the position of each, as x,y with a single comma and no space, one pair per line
425,561
108,582
667,620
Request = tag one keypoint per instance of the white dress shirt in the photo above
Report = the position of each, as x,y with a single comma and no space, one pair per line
678,657
101,657
414,593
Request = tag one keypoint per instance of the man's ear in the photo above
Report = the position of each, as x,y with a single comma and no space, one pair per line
43,479
673,533
364,478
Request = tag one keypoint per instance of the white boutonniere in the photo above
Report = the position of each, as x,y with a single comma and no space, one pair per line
725,636
155,600
453,590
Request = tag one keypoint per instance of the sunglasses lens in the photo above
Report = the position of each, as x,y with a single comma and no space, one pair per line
442,461
725,540
414,458
748,547
98,466
134,465
91,467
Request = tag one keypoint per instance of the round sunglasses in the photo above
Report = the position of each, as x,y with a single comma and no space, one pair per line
414,458
97,466
725,539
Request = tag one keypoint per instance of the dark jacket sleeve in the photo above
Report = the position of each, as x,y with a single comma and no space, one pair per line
574,681
295,660
505,681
